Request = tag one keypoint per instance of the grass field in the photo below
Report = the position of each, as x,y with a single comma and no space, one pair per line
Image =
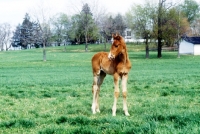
54,97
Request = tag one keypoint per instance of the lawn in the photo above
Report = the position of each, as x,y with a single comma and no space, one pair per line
55,96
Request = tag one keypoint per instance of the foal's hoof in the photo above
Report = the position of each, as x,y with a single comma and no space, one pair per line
113,114
127,114
95,111
98,111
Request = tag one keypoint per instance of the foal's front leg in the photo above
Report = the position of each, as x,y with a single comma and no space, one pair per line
124,91
116,93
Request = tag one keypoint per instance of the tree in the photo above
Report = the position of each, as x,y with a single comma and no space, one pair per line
65,20
109,25
5,36
26,31
16,36
163,23
42,21
170,25
75,31
160,32
83,28
196,27
45,34
106,28
60,28
174,24
119,24
191,10
87,21
140,19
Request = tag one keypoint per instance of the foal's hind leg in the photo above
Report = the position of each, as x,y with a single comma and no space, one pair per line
98,80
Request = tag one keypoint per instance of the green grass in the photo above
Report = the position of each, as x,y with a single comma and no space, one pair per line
55,96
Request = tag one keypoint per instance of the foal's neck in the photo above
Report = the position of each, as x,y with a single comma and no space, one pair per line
123,57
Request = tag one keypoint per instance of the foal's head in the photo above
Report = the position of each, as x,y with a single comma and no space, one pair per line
118,46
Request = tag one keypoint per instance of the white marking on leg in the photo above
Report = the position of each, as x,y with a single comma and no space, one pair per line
116,94
97,101
114,108
124,91
94,99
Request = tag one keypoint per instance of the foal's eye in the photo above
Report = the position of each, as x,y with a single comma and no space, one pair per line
116,46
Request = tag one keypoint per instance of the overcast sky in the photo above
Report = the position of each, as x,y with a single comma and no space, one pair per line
13,11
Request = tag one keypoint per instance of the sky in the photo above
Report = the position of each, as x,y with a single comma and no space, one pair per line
13,11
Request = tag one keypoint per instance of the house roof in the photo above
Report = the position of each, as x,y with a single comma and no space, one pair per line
193,40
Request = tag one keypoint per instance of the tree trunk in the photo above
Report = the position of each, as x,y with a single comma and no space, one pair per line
44,51
178,49
147,49
105,41
2,47
159,49
159,31
65,47
86,44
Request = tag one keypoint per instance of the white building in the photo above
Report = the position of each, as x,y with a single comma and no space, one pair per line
190,45
129,36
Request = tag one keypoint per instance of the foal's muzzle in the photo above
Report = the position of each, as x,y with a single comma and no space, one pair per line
111,56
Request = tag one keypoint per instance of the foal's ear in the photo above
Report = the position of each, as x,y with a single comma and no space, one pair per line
113,35
116,36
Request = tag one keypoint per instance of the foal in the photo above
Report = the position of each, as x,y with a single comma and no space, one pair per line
115,63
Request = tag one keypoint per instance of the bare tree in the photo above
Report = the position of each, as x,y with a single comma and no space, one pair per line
5,36
140,19
86,19
42,18
119,24
98,11
106,28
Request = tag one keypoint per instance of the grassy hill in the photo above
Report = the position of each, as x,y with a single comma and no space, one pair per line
55,96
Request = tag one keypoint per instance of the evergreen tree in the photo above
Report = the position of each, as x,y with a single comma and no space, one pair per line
26,31
16,37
